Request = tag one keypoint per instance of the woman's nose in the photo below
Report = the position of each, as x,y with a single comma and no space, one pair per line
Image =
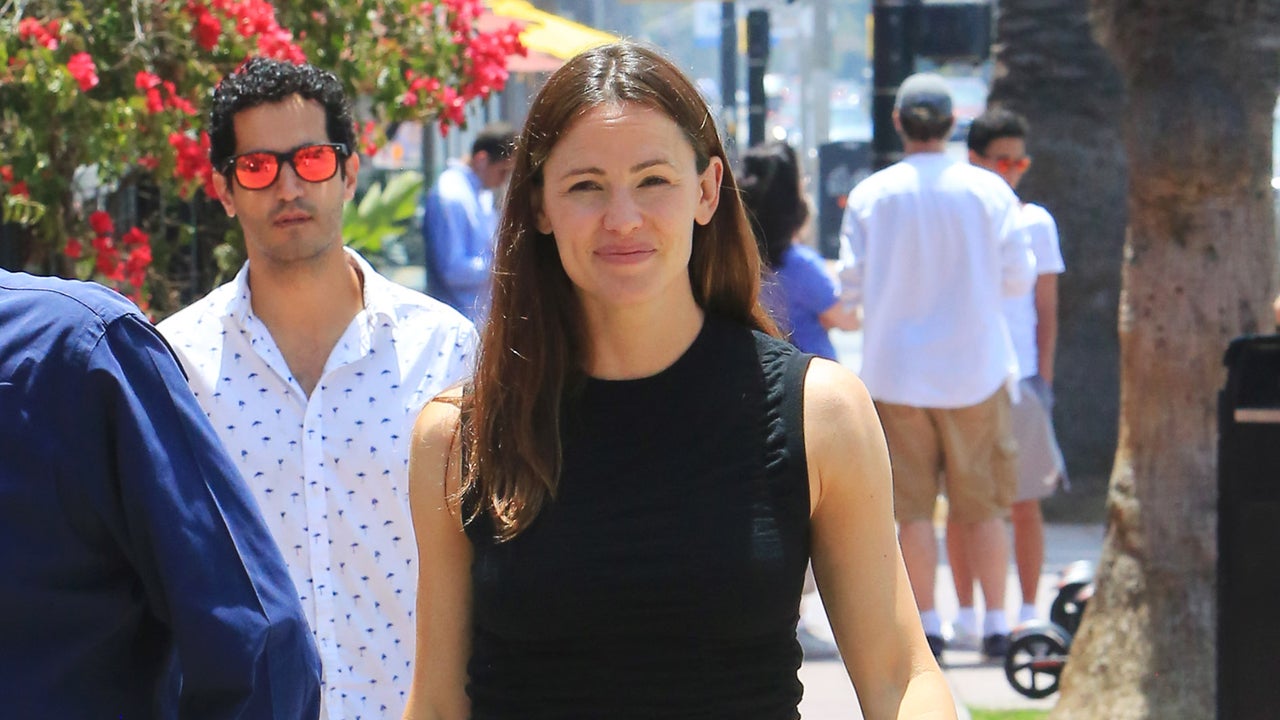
622,216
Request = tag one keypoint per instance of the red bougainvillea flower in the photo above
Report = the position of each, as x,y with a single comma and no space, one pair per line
149,83
257,19
176,101
100,221
161,94
83,69
74,249
137,239
208,30
138,260
46,35
20,189
6,173
155,103
193,160
145,80
110,267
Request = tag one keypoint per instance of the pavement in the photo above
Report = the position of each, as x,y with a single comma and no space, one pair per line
975,682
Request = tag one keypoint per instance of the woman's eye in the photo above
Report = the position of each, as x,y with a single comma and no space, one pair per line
584,185
654,180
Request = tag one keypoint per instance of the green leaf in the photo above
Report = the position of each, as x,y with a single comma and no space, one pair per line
383,211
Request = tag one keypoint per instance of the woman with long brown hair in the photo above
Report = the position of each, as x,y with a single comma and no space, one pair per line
614,518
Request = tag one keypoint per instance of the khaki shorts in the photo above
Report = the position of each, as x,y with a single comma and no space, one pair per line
1040,463
971,449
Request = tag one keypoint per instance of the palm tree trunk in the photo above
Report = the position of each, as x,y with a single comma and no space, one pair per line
1198,270
1050,69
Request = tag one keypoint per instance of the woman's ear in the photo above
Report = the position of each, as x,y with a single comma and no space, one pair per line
540,217
709,191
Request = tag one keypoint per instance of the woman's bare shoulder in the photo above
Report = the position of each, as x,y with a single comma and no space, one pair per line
435,448
440,413
835,396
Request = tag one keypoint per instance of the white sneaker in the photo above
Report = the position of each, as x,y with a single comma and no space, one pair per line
963,637
1027,614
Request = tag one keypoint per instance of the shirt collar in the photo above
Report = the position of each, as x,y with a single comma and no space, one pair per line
470,174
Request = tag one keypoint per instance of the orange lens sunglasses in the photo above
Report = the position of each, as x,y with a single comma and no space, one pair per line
316,163
1007,164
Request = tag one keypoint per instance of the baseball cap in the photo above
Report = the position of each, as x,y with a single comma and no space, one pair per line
924,96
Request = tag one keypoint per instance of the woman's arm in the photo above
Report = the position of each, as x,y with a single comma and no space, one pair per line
444,569
856,559
841,317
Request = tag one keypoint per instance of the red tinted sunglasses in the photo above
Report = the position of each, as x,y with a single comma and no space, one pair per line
314,163
1005,164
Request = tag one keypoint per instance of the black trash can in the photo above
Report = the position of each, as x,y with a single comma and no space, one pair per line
841,165
1249,531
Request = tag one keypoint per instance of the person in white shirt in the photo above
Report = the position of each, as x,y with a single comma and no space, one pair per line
997,142
312,368
933,246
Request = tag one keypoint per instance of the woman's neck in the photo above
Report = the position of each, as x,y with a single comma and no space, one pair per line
640,341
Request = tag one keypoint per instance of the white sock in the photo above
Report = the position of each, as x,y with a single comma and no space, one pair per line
932,625
968,619
994,623
1027,613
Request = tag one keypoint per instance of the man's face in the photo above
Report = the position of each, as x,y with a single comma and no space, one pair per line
1006,157
291,219
493,172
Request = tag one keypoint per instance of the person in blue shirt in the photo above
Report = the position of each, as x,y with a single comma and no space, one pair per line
459,219
801,296
139,579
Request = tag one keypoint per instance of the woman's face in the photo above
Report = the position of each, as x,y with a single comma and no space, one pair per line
621,193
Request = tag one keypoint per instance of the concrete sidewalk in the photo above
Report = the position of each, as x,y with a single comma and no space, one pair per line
828,694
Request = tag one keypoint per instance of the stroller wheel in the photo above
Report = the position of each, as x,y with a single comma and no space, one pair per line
1034,664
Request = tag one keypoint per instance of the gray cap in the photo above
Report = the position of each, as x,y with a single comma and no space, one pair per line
924,96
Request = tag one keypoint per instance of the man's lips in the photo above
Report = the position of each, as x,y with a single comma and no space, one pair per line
290,218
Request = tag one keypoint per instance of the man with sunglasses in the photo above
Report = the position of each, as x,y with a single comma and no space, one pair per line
997,142
932,245
313,368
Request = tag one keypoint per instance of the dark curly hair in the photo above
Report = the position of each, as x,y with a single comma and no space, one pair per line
263,80
772,193
994,124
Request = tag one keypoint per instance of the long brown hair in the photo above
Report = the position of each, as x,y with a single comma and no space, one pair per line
531,348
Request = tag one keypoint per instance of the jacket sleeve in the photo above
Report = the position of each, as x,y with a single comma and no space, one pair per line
209,568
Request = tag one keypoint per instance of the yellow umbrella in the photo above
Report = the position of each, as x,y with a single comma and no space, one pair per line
548,33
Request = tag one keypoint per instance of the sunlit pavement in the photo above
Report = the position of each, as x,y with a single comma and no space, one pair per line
975,682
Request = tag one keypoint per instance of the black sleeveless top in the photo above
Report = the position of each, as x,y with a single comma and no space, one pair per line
664,580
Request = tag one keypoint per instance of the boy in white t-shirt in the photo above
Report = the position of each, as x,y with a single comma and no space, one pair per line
997,142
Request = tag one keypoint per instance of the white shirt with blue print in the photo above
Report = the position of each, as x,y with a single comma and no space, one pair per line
330,471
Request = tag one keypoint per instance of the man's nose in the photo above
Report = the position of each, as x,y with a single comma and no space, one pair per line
288,184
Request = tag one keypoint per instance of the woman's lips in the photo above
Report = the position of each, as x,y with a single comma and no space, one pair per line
628,255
